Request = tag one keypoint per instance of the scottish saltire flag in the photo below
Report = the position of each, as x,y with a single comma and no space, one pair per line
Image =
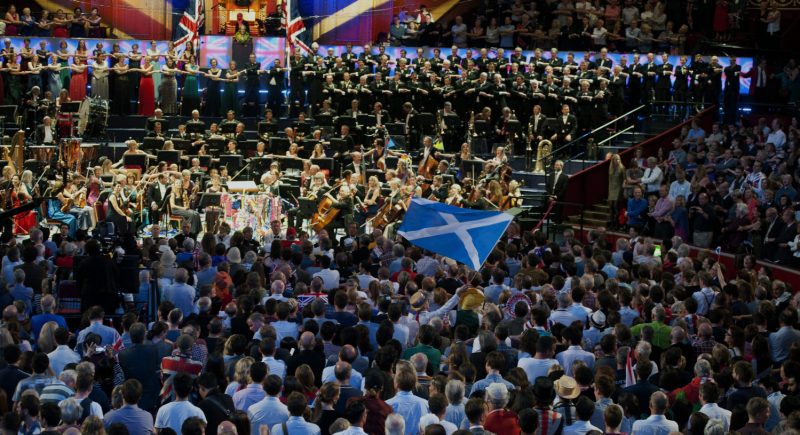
190,27
307,298
295,28
466,236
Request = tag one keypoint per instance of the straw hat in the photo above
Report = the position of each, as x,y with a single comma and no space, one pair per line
566,388
471,298
418,300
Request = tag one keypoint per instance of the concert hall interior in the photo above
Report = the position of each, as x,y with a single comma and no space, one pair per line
329,117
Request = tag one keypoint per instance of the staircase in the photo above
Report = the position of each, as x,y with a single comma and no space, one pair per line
598,216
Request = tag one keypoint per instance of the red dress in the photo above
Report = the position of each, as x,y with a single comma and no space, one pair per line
23,221
64,125
721,16
147,96
60,31
77,86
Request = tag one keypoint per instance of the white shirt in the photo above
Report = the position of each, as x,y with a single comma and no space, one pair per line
276,367
579,428
62,356
654,425
652,178
535,367
330,278
95,408
714,411
173,415
48,133
676,189
352,430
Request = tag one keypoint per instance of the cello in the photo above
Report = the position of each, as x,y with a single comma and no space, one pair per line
326,213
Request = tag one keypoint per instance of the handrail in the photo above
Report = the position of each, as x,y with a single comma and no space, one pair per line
614,135
551,170
592,132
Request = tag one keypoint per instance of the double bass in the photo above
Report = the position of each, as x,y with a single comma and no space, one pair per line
427,171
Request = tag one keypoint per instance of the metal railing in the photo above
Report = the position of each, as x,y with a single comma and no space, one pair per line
590,133
599,144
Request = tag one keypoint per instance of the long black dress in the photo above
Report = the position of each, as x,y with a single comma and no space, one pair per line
213,97
120,222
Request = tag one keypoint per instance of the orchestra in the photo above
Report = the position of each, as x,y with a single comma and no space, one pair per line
384,130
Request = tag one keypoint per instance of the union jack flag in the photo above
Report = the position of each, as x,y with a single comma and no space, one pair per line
307,298
295,28
191,25
672,161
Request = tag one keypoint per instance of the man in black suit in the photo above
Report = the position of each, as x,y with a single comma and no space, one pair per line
157,195
156,133
784,254
537,125
298,81
46,133
566,127
240,138
775,227
141,362
557,188
307,355
158,115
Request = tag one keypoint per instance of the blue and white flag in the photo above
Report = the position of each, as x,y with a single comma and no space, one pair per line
467,236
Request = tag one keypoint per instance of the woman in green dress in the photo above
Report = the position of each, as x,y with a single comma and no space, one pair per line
191,95
230,95
63,60
14,89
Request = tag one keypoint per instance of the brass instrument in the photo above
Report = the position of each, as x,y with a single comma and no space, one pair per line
439,126
545,148
528,150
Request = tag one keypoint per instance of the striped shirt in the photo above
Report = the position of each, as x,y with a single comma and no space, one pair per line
35,382
55,393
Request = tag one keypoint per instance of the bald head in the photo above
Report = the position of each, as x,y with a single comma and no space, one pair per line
704,331
48,304
307,341
658,403
226,426
10,312
342,371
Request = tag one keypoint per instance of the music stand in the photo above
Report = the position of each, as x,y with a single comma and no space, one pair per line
513,127
453,123
391,162
339,146
307,206
367,120
267,128
228,128
292,163
450,178
301,128
107,179
73,107
286,191
152,143
396,129
31,165
229,161
198,127
261,164
377,173
323,120
324,163
209,200
130,160
426,119
481,127
205,161
215,146
279,145
151,124
170,157
346,120
472,167
196,176
184,145
248,145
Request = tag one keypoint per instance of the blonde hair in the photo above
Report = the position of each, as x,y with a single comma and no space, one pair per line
47,342
242,370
